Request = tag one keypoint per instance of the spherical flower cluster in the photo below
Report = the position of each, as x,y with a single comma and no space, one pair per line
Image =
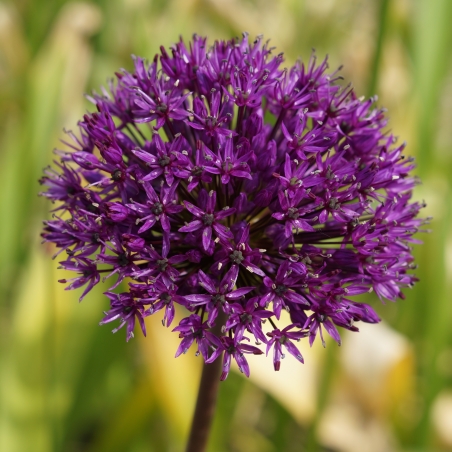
213,179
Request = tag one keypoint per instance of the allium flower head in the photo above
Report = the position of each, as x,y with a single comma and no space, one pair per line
215,181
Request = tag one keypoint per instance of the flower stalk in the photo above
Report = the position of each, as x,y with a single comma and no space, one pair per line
205,404
205,407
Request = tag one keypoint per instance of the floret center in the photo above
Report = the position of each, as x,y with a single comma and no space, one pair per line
236,257
293,213
218,298
208,219
164,161
162,264
157,208
281,289
123,260
117,175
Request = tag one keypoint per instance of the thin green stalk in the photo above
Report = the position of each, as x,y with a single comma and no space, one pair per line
382,27
326,378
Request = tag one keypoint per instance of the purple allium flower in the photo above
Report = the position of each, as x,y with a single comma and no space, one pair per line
215,180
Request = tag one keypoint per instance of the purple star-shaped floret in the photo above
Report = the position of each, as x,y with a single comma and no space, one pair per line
330,308
167,159
162,106
200,168
208,219
163,295
294,176
121,260
247,318
304,140
160,266
158,207
229,162
192,329
62,187
242,254
219,295
285,337
291,213
211,123
125,308
88,274
284,289
315,321
118,177
287,95
232,349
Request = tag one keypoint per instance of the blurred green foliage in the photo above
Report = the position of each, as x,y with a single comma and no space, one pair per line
67,384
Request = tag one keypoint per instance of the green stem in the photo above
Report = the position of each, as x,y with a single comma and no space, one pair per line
382,26
326,378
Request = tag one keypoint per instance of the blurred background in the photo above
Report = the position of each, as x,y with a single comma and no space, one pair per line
68,385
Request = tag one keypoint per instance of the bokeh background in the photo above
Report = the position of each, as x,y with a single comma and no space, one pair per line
68,385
